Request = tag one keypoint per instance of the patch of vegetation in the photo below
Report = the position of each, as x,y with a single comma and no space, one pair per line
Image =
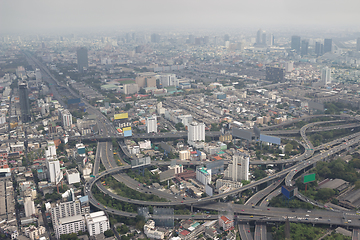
298,231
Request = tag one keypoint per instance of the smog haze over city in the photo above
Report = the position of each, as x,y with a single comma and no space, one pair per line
179,120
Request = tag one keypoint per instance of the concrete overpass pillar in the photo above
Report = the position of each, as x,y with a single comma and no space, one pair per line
192,208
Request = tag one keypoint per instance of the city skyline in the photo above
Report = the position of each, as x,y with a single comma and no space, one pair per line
39,16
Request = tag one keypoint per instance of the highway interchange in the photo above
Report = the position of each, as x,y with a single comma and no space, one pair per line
261,213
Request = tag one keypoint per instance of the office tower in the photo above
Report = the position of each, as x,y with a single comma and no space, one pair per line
97,222
54,173
304,47
29,207
259,37
155,38
24,103
131,88
319,48
226,37
38,76
328,45
295,43
238,169
66,118
270,39
82,59
151,124
326,75
263,39
275,74
289,66
196,132
358,44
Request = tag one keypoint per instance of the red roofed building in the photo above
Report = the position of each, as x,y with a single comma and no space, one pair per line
184,232
226,223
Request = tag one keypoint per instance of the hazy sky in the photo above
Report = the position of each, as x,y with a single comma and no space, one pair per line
39,15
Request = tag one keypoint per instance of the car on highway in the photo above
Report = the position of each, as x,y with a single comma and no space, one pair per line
98,203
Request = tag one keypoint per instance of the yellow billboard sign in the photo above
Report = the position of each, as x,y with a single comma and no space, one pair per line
126,129
121,116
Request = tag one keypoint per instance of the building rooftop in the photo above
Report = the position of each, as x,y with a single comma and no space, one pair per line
70,219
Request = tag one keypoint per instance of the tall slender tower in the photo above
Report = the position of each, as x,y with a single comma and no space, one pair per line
24,103
82,59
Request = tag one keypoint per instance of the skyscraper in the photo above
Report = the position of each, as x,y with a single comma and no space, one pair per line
304,47
327,45
196,132
259,36
358,44
319,48
326,75
24,103
82,59
295,43
263,39
155,38
275,74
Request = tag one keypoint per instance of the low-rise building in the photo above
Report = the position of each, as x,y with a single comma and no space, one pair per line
226,223
97,222
68,225
73,176
33,232
151,232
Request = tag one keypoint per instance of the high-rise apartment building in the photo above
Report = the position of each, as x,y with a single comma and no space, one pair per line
82,59
326,75
24,103
38,76
328,45
358,44
196,132
295,43
54,173
68,225
65,209
151,124
66,118
259,36
238,169
50,151
155,38
97,222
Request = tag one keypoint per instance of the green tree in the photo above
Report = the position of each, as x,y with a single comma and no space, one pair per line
109,233
288,148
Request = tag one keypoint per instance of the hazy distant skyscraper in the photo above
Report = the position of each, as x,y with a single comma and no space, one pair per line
319,49
226,38
270,39
155,38
327,45
304,47
82,59
358,44
295,43
24,103
259,36
263,39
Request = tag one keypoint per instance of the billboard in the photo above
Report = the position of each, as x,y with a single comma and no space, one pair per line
121,116
73,101
289,191
241,133
309,178
270,139
128,133
140,162
126,129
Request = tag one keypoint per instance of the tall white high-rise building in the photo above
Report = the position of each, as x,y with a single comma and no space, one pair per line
167,80
97,222
196,132
151,124
326,75
29,207
38,76
54,173
66,118
238,169
289,66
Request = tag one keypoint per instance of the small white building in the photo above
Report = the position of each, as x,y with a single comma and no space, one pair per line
151,232
33,232
29,207
97,223
68,225
73,176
